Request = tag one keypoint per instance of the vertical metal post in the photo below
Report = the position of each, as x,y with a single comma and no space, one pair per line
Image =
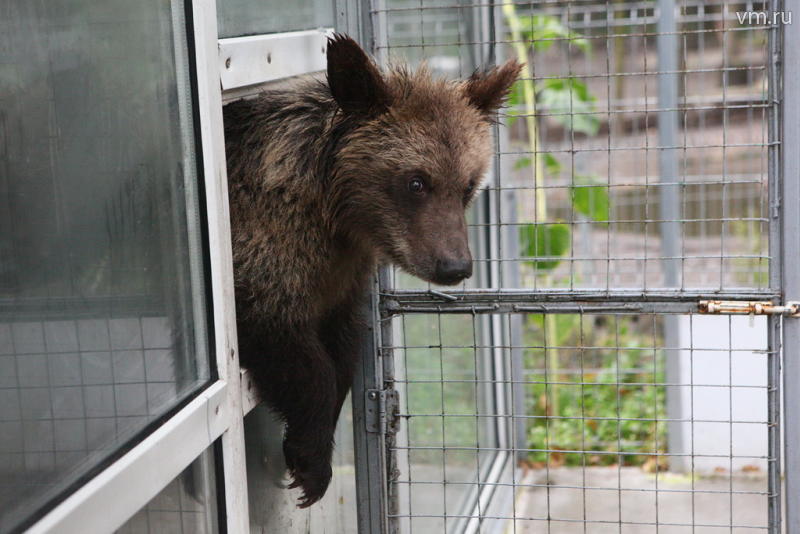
786,206
773,430
776,267
669,202
370,457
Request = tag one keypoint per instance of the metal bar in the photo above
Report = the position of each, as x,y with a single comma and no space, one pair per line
774,357
774,324
388,439
610,307
533,307
669,202
505,300
734,307
787,204
369,457
667,46
560,295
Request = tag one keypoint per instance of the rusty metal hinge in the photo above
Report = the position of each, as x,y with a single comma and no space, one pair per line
383,407
740,307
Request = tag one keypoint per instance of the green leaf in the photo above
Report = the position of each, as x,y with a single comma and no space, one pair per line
592,201
521,163
544,241
544,30
516,99
515,94
572,103
551,164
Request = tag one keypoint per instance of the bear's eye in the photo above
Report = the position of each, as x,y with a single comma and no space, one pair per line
468,192
416,186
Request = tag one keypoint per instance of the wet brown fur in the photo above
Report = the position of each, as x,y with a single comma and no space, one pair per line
319,187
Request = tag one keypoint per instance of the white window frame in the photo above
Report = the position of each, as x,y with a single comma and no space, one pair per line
107,501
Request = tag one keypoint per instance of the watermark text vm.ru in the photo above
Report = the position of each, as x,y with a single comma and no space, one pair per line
764,18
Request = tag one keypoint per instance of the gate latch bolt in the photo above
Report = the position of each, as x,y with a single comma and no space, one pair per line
738,307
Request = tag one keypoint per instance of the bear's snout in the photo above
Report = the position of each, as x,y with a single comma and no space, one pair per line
451,271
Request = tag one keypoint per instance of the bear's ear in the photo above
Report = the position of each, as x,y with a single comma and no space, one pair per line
488,90
355,81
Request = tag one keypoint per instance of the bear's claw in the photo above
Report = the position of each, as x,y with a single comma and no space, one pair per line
312,483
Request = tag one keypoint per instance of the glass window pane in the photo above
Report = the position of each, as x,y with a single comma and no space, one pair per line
236,18
187,504
102,321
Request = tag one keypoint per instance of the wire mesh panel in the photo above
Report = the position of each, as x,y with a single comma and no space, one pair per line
570,385
591,451
592,189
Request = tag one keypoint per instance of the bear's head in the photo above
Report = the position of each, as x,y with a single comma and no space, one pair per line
411,157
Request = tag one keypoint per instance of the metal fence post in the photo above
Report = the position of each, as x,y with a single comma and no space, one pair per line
787,209
776,253
370,458
669,203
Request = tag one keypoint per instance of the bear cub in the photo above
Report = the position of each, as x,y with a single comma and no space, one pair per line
327,180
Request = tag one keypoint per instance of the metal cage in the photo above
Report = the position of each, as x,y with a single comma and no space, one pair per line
581,382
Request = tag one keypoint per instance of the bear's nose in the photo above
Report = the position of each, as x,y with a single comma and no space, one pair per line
452,271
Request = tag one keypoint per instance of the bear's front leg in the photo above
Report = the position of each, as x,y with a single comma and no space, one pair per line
297,379
341,333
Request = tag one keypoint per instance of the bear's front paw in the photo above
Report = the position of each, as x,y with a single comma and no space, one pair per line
314,484
312,473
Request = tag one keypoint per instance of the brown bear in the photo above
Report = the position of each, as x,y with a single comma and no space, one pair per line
327,180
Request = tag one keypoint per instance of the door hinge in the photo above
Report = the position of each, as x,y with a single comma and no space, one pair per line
740,307
382,410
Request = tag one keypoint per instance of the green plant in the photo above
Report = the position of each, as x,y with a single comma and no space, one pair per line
612,403
569,102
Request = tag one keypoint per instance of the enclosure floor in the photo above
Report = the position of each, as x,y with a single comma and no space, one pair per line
669,505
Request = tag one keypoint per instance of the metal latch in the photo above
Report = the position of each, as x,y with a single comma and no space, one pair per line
382,411
739,307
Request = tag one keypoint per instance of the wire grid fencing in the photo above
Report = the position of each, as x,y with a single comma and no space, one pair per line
642,160
594,446
569,386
